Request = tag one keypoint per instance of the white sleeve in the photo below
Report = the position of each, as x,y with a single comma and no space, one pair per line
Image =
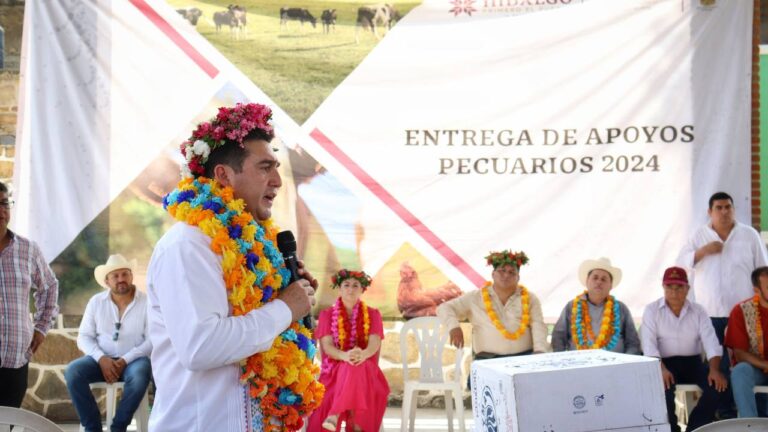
187,280
761,258
86,336
707,334
649,332
687,254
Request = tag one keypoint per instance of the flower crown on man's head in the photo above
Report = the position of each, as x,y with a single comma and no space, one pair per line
229,125
344,274
500,259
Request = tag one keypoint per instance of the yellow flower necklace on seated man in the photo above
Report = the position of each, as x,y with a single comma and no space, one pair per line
525,319
581,323
759,327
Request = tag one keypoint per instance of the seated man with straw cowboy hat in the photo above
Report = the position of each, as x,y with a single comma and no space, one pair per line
113,336
595,319
506,318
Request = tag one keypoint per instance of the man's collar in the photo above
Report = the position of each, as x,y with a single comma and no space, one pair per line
663,304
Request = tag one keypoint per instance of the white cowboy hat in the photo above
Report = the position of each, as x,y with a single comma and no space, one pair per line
115,262
602,264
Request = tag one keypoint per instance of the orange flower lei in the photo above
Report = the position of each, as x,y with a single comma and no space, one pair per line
580,320
759,326
524,320
340,316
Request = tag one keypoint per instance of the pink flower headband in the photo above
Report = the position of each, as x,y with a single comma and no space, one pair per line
229,125
344,274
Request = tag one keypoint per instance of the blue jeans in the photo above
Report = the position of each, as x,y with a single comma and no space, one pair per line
85,370
744,377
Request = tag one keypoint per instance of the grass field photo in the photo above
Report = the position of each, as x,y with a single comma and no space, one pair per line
296,64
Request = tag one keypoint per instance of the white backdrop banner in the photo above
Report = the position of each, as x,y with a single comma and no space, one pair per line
597,129
569,130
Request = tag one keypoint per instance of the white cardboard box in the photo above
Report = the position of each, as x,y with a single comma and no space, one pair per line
572,391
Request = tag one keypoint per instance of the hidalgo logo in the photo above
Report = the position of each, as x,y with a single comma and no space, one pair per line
488,411
579,402
462,7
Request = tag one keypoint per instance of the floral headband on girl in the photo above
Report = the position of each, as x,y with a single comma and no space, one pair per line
506,257
344,274
230,124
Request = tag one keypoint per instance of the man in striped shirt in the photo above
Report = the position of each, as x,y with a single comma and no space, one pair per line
22,269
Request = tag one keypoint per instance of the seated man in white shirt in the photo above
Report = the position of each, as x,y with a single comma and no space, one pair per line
674,329
113,336
506,318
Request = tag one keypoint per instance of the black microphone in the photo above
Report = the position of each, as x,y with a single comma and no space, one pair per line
286,243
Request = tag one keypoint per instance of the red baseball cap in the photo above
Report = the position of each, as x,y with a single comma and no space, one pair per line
675,276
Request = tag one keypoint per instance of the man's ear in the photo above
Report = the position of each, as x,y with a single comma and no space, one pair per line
223,174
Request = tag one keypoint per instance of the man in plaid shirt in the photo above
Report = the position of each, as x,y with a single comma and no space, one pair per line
22,269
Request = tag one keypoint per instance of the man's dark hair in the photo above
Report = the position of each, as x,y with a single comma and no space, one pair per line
719,196
231,154
3,188
760,271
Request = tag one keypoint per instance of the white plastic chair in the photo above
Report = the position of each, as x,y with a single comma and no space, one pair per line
431,340
27,421
686,397
142,412
736,425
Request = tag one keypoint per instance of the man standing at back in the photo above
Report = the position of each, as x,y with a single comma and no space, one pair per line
22,270
723,254
228,352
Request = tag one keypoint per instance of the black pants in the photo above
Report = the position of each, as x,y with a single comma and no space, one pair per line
14,386
691,370
727,407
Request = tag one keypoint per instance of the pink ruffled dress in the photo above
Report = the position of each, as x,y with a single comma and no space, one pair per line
362,388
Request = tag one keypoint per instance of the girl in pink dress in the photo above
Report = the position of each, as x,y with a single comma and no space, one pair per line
350,334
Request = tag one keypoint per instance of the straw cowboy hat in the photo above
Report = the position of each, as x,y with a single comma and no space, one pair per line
115,262
602,264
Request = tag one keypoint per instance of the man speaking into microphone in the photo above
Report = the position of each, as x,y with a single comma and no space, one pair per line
230,350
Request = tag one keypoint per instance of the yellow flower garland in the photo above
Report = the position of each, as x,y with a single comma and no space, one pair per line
339,317
606,329
524,320
759,327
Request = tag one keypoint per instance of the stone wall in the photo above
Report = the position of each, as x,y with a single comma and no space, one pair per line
9,89
47,393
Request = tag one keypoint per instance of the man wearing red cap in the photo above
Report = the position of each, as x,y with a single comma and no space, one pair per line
746,335
674,330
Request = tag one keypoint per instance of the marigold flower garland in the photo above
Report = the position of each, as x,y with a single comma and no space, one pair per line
525,319
759,327
580,319
340,322
283,377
